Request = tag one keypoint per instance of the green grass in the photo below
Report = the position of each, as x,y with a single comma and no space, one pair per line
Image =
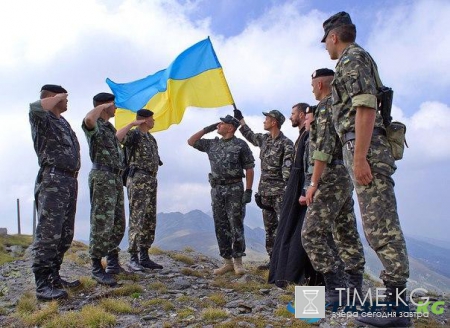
47,312
116,305
128,290
10,240
89,316
158,302
26,304
182,258
213,314
190,272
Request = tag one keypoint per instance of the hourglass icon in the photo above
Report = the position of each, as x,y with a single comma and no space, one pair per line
310,295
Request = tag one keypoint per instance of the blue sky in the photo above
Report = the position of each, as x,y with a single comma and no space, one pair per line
268,50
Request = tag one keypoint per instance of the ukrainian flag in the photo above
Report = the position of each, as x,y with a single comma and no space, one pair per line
195,78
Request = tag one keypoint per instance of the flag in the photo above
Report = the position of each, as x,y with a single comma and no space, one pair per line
195,78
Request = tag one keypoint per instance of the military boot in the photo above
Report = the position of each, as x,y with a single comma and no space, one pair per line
60,283
112,263
333,280
238,267
145,261
226,267
395,296
134,263
44,288
99,274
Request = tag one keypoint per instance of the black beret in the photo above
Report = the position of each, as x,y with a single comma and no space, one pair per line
230,120
337,20
310,109
322,72
53,88
103,97
144,112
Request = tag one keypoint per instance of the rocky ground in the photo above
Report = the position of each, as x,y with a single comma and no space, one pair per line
183,294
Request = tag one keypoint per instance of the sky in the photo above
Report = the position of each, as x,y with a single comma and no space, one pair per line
268,50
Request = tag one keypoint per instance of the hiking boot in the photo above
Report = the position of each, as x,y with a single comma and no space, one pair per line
238,267
386,319
145,261
134,263
60,283
112,263
226,267
333,281
44,288
99,274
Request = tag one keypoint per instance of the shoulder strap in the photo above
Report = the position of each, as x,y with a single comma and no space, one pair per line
377,75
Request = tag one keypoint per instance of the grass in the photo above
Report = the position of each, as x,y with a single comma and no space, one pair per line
156,251
213,314
218,299
188,249
26,304
159,287
184,313
190,272
158,302
182,258
89,316
281,311
128,290
10,240
47,312
258,322
116,306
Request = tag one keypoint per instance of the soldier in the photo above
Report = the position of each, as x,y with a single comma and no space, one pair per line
368,158
229,157
329,199
142,150
106,189
56,190
276,159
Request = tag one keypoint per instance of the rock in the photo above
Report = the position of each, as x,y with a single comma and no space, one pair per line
3,231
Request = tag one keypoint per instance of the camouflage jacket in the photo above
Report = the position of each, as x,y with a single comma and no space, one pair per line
54,140
324,143
104,147
228,158
276,160
146,155
353,85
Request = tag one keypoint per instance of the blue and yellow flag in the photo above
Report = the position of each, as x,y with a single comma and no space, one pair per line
195,78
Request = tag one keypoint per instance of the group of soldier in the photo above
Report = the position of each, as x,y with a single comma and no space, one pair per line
347,149
56,186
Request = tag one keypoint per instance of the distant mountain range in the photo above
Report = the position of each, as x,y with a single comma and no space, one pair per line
429,260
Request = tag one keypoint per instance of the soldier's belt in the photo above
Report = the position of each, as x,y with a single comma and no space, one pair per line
146,172
349,136
64,172
101,167
225,182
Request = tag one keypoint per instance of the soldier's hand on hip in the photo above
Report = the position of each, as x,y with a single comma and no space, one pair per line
247,197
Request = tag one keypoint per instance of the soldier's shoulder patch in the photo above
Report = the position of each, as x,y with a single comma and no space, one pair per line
345,60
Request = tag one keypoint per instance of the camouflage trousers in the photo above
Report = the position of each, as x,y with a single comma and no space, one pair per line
141,190
228,214
331,212
378,207
56,200
271,219
107,213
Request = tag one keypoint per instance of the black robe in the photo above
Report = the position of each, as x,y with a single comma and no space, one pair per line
289,262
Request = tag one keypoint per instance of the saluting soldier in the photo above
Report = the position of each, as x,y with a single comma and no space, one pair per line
56,190
229,157
106,189
368,159
277,152
144,161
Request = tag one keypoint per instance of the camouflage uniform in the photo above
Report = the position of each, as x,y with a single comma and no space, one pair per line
355,85
56,188
106,190
276,159
141,187
332,208
228,159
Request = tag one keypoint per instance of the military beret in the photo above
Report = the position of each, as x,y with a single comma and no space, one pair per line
103,97
322,72
230,120
53,88
276,115
337,20
144,112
